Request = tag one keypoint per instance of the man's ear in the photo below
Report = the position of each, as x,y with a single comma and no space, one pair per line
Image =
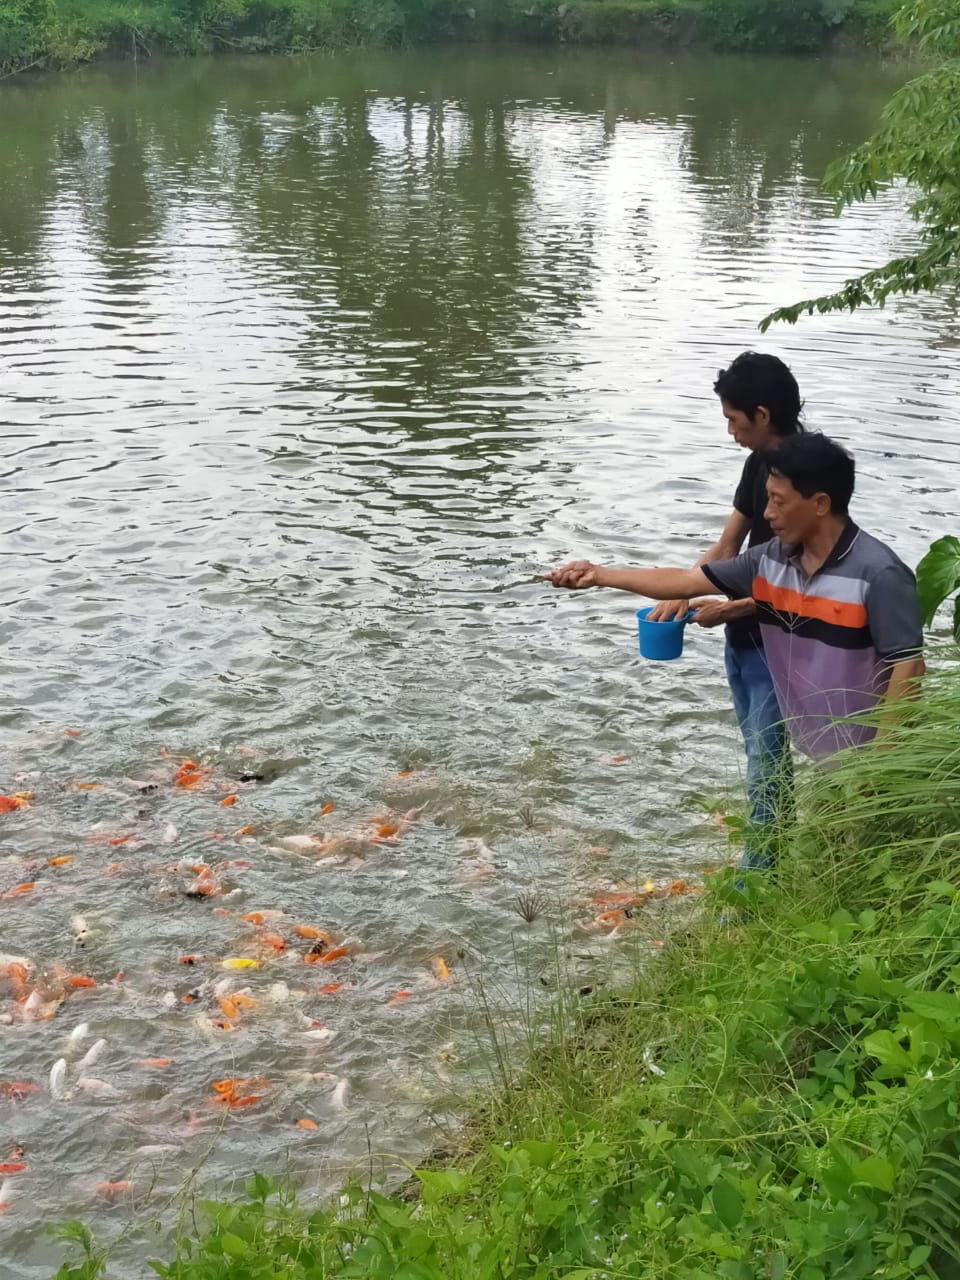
761,416
823,504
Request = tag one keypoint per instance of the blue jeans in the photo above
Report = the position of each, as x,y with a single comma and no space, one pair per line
767,743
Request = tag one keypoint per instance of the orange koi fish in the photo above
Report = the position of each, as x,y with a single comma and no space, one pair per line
441,970
78,980
189,775
337,953
308,931
72,733
327,808
227,801
329,989
12,1166
274,940
398,997
17,801
60,861
306,1123
156,1062
613,919
111,1190
19,1090
18,890
619,899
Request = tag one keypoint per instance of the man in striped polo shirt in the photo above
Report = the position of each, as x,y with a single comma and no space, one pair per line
837,608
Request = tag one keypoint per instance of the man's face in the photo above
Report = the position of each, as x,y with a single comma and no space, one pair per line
792,517
749,433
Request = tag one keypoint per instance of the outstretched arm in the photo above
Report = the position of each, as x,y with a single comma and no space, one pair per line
657,584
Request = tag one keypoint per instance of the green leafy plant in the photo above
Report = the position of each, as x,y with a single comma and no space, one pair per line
918,141
938,578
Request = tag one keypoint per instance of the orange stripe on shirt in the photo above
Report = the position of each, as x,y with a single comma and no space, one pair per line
785,600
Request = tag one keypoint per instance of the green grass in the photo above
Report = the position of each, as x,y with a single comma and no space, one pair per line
774,1100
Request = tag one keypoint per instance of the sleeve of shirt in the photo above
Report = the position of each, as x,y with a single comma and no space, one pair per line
893,614
734,577
743,498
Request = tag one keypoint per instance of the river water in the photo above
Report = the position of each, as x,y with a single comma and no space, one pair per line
308,367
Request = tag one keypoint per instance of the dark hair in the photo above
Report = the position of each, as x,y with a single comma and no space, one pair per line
756,381
813,463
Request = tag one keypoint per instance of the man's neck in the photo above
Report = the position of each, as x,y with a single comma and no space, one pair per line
816,549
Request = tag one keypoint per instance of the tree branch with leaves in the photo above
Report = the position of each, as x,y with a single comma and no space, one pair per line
918,142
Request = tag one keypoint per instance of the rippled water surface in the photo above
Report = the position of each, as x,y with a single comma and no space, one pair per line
308,368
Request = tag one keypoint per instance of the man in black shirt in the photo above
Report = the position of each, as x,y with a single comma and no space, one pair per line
761,402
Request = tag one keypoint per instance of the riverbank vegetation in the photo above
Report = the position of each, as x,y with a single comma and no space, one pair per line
56,33
917,143
774,1099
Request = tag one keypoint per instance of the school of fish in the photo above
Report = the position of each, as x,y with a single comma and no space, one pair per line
300,982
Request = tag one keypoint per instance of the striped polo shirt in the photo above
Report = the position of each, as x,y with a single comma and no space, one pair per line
830,639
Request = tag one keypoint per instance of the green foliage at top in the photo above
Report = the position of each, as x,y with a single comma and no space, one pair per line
60,32
788,25
938,578
919,142
774,1100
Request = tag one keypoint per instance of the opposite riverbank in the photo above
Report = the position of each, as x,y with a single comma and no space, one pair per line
774,1099
54,34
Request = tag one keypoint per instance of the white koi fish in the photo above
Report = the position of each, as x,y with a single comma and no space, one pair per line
58,1075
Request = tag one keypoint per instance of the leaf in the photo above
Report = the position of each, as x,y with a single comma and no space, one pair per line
233,1245
437,1183
938,576
939,1006
875,1172
727,1203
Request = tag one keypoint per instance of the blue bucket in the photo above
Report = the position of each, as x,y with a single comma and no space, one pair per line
661,641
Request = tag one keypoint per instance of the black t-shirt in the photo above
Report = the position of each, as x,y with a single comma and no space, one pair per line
750,500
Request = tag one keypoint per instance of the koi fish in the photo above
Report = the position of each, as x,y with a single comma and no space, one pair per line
398,997
329,989
156,1062
300,844
239,962
60,861
227,801
441,970
336,953
81,930
72,733
190,775
78,980
327,808
619,899
79,1032
306,1123
6,1195
20,1090
112,1190
339,1095
18,890
92,1055
317,935
273,940
100,1087
58,1073
19,800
